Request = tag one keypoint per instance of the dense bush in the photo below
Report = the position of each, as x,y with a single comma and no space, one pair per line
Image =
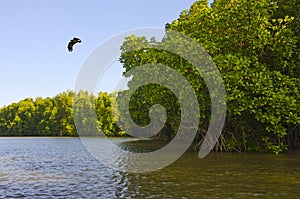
255,45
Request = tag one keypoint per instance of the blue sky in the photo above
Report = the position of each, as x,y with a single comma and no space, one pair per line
34,33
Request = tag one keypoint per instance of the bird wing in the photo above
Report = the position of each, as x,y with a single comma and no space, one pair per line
70,46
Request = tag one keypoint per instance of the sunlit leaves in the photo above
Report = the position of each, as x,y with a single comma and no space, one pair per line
54,116
255,45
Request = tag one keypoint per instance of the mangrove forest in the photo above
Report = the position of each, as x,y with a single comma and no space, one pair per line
255,46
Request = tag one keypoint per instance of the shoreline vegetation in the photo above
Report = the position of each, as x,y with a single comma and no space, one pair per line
254,44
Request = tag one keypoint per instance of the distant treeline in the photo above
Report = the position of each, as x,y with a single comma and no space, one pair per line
53,116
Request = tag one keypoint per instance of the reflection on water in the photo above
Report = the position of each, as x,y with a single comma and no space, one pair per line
62,168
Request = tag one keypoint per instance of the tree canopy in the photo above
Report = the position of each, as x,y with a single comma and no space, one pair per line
54,116
255,45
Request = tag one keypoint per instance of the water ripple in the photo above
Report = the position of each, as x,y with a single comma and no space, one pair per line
62,168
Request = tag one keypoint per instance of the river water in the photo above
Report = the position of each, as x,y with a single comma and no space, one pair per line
62,168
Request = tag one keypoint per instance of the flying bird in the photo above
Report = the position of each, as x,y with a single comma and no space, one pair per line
72,43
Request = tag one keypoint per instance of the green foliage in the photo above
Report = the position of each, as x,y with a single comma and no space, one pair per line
141,102
255,45
54,116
